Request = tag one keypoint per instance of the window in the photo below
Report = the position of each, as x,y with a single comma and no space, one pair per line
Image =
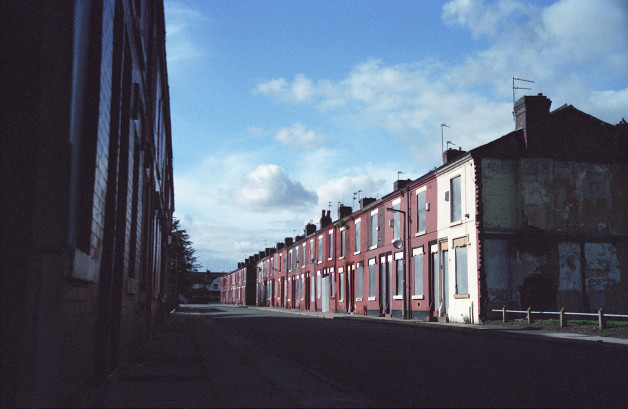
341,285
320,249
421,212
303,256
396,220
456,199
417,255
357,237
462,277
331,244
332,283
359,282
399,261
312,289
343,233
296,259
374,229
372,278
302,287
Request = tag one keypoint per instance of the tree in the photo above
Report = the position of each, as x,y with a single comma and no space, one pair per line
182,260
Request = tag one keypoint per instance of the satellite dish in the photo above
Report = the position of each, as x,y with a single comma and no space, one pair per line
398,244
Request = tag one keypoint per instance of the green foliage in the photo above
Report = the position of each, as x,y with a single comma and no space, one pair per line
182,259
466,319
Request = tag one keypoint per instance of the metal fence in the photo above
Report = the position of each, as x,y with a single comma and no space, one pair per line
602,317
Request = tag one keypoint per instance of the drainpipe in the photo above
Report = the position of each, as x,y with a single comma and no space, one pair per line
406,265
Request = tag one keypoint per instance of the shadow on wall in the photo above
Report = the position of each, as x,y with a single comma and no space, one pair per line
538,292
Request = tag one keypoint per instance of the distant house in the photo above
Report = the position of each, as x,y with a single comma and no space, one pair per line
204,287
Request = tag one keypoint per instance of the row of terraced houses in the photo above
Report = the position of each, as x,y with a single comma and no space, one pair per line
537,217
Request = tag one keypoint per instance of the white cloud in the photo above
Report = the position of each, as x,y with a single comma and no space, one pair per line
574,51
342,189
182,21
269,187
481,19
298,136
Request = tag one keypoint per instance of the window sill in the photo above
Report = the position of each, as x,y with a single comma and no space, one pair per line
397,297
358,299
356,253
461,296
372,298
421,233
455,223
417,297
341,258
373,247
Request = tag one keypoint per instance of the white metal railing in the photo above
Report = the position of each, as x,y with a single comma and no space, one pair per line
562,313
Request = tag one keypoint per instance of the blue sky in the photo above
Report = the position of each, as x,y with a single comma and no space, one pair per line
282,106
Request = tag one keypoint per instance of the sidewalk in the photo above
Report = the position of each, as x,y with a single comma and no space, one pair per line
452,326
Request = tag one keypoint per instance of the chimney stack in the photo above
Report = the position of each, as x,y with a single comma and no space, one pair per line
343,211
451,154
400,184
325,219
309,229
365,201
531,112
288,241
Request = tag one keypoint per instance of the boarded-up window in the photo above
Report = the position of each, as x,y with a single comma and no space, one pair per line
359,281
417,255
421,213
462,276
456,199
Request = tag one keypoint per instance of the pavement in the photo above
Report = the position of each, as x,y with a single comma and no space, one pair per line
452,326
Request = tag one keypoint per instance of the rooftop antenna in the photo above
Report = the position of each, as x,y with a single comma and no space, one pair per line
399,173
516,87
329,206
353,204
450,143
442,148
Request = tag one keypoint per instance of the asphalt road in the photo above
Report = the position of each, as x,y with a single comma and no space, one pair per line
221,356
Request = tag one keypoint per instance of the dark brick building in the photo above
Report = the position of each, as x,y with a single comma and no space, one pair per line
87,191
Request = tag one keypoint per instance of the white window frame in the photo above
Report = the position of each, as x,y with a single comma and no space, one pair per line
374,232
331,244
343,241
320,249
358,239
416,252
418,192
372,280
396,204
451,200
341,284
357,274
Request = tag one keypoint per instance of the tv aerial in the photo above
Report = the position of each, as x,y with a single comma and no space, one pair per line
515,86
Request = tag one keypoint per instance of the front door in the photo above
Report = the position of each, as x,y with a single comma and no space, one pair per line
385,283
439,275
